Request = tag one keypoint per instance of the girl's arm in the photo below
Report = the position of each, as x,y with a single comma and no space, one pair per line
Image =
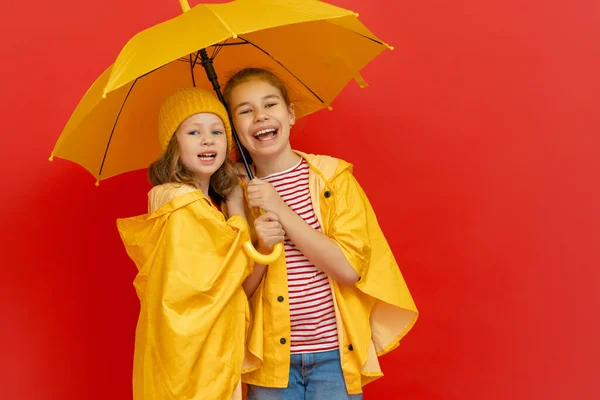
320,250
235,202
323,252
253,280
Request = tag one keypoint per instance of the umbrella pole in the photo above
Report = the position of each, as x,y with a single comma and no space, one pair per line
207,63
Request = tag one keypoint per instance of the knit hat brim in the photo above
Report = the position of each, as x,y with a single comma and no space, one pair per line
184,103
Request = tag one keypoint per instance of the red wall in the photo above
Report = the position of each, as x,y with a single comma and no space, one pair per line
476,142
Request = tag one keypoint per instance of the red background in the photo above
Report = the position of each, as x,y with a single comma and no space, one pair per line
476,142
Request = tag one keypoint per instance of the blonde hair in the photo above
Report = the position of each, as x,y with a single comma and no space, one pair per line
168,168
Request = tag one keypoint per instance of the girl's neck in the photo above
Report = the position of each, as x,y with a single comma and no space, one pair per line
271,165
203,184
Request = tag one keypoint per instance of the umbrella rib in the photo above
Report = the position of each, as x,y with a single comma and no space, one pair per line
366,37
217,49
229,44
283,66
371,39
115,126
359,34
192,65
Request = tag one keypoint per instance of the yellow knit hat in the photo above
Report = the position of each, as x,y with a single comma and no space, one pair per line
184,103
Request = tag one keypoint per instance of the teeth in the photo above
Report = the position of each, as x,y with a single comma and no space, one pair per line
262,132
207,155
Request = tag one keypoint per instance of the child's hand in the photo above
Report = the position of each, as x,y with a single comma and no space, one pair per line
269,232
262,195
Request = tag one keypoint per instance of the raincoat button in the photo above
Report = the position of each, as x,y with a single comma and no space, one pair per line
282,340
327,194
350,348
280,299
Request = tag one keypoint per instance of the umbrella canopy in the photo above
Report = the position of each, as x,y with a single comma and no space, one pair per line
315,48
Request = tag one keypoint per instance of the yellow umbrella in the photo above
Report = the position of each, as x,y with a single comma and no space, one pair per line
315,48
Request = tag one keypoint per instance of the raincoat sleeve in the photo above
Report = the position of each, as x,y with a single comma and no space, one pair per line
357,232
194,314
348,227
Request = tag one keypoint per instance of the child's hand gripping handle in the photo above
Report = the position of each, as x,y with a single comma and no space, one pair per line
254,254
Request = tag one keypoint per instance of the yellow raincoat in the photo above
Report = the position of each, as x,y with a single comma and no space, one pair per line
194,313
372,315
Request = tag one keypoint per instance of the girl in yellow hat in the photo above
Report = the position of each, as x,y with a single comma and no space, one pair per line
193,311
324,312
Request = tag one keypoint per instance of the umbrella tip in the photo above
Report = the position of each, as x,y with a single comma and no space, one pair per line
103,95
389,47
97,183
185,6
330,108
356,15
51,157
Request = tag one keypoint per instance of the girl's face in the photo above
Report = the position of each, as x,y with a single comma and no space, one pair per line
202,144
262,118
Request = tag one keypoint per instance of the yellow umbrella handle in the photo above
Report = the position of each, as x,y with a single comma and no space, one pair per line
254,254
260,258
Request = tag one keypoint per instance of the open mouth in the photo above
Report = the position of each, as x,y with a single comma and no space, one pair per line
207,156
266,134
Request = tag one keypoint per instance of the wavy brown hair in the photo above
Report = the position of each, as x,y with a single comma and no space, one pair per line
168,168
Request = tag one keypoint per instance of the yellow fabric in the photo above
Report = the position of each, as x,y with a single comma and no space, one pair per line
372,315
194,313
315,48
184,103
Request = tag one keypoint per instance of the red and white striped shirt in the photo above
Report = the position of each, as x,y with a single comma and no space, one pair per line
312,314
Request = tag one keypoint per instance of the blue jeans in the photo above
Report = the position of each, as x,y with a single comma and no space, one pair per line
313,376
